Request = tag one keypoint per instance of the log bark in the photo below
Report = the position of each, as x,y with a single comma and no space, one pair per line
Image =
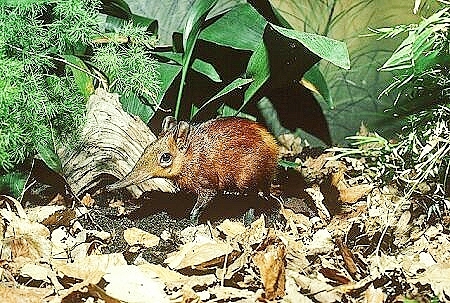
111,143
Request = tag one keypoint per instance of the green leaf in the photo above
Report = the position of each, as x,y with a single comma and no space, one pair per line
151,25
131,104
237,83
167,74
329,49
419,40
206,69
288,164
80,71
241,28
117,8
258,70
196,17
14,182
227,111
198,65
314,80
48,154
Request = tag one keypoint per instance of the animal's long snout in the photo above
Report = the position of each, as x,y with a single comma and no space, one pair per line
133,178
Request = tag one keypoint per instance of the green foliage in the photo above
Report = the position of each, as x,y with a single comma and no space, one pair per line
39,103
130,71
191,32
124,58
419,160
243,28
48,72
422,60
13,182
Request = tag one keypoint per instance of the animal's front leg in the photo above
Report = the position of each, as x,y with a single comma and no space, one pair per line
203,198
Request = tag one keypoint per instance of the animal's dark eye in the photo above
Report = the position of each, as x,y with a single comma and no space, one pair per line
165,159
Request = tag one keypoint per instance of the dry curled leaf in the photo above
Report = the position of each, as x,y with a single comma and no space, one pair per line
270,258
353,193
347,255
136,236
87,200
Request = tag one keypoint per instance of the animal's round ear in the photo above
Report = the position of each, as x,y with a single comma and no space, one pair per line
181,136
168,123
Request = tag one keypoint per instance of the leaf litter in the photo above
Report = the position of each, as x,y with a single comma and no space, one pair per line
375,249
361,241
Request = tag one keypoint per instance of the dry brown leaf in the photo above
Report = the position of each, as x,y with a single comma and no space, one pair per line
231,229
317,164
235,266
438,277
270,258
299,220
318,199
23,239
193,255
87,200
128,283
60,218
293,294
340,223
58,200
24,294
353,193
291,145
40,213
347,255
322,291
84,289
91,268
136,236
38,272
232,294
185,295
174,279
334,275
255,234
321,242
374,295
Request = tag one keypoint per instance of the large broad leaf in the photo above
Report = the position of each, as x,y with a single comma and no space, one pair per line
81,74
168,73
198,65
241,28
355,91
329,49
171,14
47,152
13,182
258,70
196,17
132,105
314,80
236,84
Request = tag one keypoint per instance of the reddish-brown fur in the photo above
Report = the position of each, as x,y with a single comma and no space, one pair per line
231,154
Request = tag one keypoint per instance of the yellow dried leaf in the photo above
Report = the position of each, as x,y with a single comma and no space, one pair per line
136,236
271,261
354,193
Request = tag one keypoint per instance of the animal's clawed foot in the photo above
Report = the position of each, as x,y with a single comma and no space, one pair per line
195,214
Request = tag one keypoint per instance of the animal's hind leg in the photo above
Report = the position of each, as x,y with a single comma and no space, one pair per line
203,198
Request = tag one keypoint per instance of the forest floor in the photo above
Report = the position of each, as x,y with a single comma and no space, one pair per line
332,234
